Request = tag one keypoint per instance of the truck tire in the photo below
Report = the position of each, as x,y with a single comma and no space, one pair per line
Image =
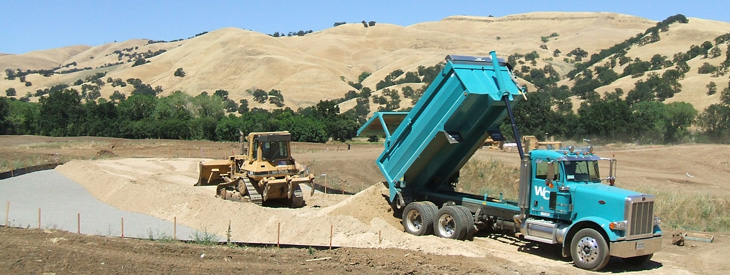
589,249
638,260
397,208
418,218
450,223
469,223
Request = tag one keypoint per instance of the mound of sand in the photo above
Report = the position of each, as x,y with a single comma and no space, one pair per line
164,188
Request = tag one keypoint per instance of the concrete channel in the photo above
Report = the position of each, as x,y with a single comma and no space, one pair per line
66,205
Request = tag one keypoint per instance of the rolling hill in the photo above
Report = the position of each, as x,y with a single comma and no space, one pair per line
318,66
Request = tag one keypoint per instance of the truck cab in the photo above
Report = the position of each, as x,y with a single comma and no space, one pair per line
567,194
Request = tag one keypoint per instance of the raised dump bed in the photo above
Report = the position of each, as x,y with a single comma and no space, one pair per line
426,147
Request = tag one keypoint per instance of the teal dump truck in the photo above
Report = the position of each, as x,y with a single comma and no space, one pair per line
562,197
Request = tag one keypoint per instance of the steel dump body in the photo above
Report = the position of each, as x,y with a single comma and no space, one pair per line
448,124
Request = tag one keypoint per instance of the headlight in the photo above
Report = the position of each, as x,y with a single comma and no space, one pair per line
617,225
657,221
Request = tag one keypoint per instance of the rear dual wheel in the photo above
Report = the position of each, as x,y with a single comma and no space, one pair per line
454,222
418,217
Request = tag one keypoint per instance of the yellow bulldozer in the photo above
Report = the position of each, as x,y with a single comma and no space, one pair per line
264,171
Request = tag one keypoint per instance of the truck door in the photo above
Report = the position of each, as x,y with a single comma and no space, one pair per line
543,187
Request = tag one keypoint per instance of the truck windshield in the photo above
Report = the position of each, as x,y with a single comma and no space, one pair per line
274,150
584,170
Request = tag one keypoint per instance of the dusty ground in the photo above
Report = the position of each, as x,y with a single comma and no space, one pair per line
155,177
43,251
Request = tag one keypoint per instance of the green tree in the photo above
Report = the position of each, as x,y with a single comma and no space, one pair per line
725,95
243,106
648,121
363,76
179,72
408,91
22,119
5,124
137,107
221,93
715,52
608,118
139,61
260,96
303,128
177,106
9,74
10,92
706,68
556,53
117,96
711,88
657,62
276,98
678,118
714,123
61,112
208,106
637,67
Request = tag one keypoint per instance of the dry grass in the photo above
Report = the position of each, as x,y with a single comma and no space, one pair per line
688,211
491,177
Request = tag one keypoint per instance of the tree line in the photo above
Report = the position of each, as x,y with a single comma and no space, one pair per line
64,112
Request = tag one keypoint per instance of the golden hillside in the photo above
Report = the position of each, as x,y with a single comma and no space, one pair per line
310,68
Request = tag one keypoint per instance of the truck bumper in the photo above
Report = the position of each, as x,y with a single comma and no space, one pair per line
633,248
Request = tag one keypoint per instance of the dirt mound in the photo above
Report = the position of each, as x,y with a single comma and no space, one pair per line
105,153
164,188
365,206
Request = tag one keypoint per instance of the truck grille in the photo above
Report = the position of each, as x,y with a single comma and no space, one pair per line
639,216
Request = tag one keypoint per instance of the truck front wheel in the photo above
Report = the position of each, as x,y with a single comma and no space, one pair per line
589,249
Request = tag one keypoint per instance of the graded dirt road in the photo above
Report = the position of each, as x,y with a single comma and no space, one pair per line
158,181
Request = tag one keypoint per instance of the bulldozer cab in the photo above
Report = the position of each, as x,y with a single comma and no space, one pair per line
269,147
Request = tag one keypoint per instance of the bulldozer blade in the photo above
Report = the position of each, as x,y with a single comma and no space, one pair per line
210,172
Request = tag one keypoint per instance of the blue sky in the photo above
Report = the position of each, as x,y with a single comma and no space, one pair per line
37,25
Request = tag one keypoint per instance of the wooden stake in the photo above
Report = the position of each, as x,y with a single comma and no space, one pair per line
278,233
174,228
331,229
228,233
39,218
122,227
380,237
7,212
78,223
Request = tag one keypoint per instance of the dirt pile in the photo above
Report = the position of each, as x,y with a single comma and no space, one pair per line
164,188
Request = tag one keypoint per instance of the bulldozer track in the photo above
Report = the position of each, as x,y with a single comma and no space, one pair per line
253,194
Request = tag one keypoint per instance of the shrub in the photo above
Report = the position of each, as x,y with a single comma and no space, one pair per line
179,72
10,92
